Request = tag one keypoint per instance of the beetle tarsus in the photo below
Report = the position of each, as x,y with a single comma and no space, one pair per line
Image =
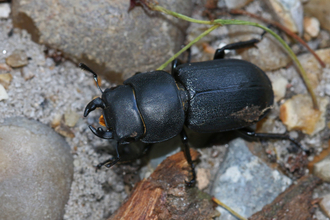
98,102
101,133
108,163
192,182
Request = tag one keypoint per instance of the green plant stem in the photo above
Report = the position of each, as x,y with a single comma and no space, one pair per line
187,46
228,209
219,22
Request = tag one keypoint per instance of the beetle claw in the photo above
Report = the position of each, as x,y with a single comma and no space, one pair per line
98,102
101,133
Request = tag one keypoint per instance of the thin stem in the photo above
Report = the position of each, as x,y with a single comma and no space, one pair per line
218,22
228,208
187,46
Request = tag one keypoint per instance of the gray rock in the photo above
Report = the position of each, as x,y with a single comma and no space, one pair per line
260,55
4,10
322,169
245,183
237,3
17,59
319,9
289,13
36,171
103,34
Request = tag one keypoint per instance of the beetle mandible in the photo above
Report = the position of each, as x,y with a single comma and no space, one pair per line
211,96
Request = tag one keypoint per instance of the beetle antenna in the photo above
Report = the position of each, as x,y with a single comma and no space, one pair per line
84,67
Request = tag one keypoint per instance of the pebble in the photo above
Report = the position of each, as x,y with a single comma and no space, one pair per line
260,55
4,10
17,59
311,26
325,205
312,67
245,183
36,170
289,13
3,93
279,84
297,113
71,117
5,79
319,9
231,4
322,169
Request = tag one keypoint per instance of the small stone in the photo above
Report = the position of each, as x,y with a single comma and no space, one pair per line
203,178
5,67
319,9
71,117
64,130
3,93
289,13
297,113
312,26
243,178
27,73
259,56
322,169
36,171
17,59
4,10
325,205
5,79
56,120
279,84
231,4
312,66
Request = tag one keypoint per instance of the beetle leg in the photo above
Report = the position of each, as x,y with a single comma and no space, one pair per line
272,136
175,63
220,53
98,102
110,162
101,133
187,155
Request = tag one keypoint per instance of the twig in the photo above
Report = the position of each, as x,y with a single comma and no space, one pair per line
228,209
283,28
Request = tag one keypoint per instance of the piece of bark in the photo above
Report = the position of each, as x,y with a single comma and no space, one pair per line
164,195
294,203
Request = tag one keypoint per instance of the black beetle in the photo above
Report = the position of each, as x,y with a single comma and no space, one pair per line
212,96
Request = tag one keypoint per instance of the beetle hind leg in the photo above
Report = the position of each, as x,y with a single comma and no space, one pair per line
186,150
220,53
273,136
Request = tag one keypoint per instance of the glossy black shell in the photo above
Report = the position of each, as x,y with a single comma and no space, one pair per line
159,104
224,94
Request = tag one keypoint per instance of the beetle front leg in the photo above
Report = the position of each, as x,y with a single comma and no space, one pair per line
187,155
110,162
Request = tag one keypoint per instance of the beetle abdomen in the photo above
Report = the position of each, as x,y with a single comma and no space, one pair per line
157,97
224,94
